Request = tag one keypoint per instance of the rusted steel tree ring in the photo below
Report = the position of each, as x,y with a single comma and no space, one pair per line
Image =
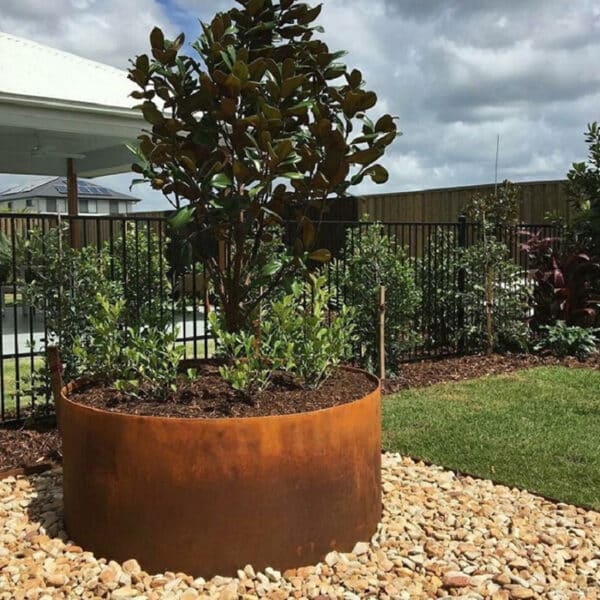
208,496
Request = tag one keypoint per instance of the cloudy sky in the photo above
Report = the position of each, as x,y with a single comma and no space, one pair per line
457,73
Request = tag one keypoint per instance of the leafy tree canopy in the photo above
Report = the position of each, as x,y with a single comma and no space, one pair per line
261,123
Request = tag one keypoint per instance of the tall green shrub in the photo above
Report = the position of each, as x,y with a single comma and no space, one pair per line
491,211
63,283
373,260
505,287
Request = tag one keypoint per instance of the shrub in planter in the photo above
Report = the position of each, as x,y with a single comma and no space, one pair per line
262,122
292,336
137,360
568,340
256,125
374,261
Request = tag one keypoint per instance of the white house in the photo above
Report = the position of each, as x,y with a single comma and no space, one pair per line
50,196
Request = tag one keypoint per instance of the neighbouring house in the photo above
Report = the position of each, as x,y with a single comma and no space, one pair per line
50,196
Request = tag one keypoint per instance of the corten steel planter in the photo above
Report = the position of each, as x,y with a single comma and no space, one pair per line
208,496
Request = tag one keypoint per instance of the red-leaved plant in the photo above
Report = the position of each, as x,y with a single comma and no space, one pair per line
566,288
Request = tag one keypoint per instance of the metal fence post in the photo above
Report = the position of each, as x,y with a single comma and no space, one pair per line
460,313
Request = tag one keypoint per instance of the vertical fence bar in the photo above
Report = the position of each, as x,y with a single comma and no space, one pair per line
462,243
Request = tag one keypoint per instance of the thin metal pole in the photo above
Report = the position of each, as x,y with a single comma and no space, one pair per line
382,332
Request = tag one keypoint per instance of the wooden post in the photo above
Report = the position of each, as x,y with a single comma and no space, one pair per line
73,205
56,381
382,332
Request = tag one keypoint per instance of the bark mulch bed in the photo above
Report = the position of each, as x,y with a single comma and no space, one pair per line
29,448
26,447
459,368
211,397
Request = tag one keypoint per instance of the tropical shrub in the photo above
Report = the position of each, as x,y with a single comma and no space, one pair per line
490,275
254,127
568,340
583,190
374,261
292,336
566,288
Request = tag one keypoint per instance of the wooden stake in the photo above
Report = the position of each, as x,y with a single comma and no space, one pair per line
382,332
56,380
73,204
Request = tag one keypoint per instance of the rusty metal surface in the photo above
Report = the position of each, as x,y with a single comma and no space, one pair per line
208,496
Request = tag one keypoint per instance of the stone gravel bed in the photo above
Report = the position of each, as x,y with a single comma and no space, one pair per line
441,535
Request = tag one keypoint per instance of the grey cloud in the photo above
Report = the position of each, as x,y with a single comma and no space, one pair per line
456,72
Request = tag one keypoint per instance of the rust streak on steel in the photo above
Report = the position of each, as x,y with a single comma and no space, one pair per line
208,496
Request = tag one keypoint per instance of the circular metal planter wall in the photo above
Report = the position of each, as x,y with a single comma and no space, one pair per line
208,496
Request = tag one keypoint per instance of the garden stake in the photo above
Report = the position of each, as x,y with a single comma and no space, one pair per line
382,332
56,380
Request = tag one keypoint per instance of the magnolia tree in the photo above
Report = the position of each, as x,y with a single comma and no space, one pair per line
259,124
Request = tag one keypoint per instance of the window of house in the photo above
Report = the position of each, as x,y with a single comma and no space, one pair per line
87,205
114,207
54,205
29,202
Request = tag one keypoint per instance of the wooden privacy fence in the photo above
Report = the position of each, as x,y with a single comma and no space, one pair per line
537,199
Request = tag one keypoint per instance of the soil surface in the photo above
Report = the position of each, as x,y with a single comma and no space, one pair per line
28,447
459,368
25,447
210,397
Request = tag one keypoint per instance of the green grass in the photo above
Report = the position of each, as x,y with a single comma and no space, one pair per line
537,429
10,380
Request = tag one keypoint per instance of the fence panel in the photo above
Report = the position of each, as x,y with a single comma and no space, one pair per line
137,241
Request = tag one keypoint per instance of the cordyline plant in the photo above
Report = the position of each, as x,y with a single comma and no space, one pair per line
565,288
262,123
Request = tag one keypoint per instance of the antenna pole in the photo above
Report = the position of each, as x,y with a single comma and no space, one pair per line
496,169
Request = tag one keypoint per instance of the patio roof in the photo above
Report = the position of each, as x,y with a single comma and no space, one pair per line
56,106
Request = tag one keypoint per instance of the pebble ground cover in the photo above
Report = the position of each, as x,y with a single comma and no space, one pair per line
442,535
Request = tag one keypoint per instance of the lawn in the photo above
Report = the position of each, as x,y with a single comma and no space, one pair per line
537,429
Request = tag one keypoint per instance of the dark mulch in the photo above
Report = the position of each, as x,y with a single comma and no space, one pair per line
432,371
210,397
28,447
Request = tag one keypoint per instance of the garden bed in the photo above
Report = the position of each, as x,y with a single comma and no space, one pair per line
209,397
460,368
441,535
28,448
25,447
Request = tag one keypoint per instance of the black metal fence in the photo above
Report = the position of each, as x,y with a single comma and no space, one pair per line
24,331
